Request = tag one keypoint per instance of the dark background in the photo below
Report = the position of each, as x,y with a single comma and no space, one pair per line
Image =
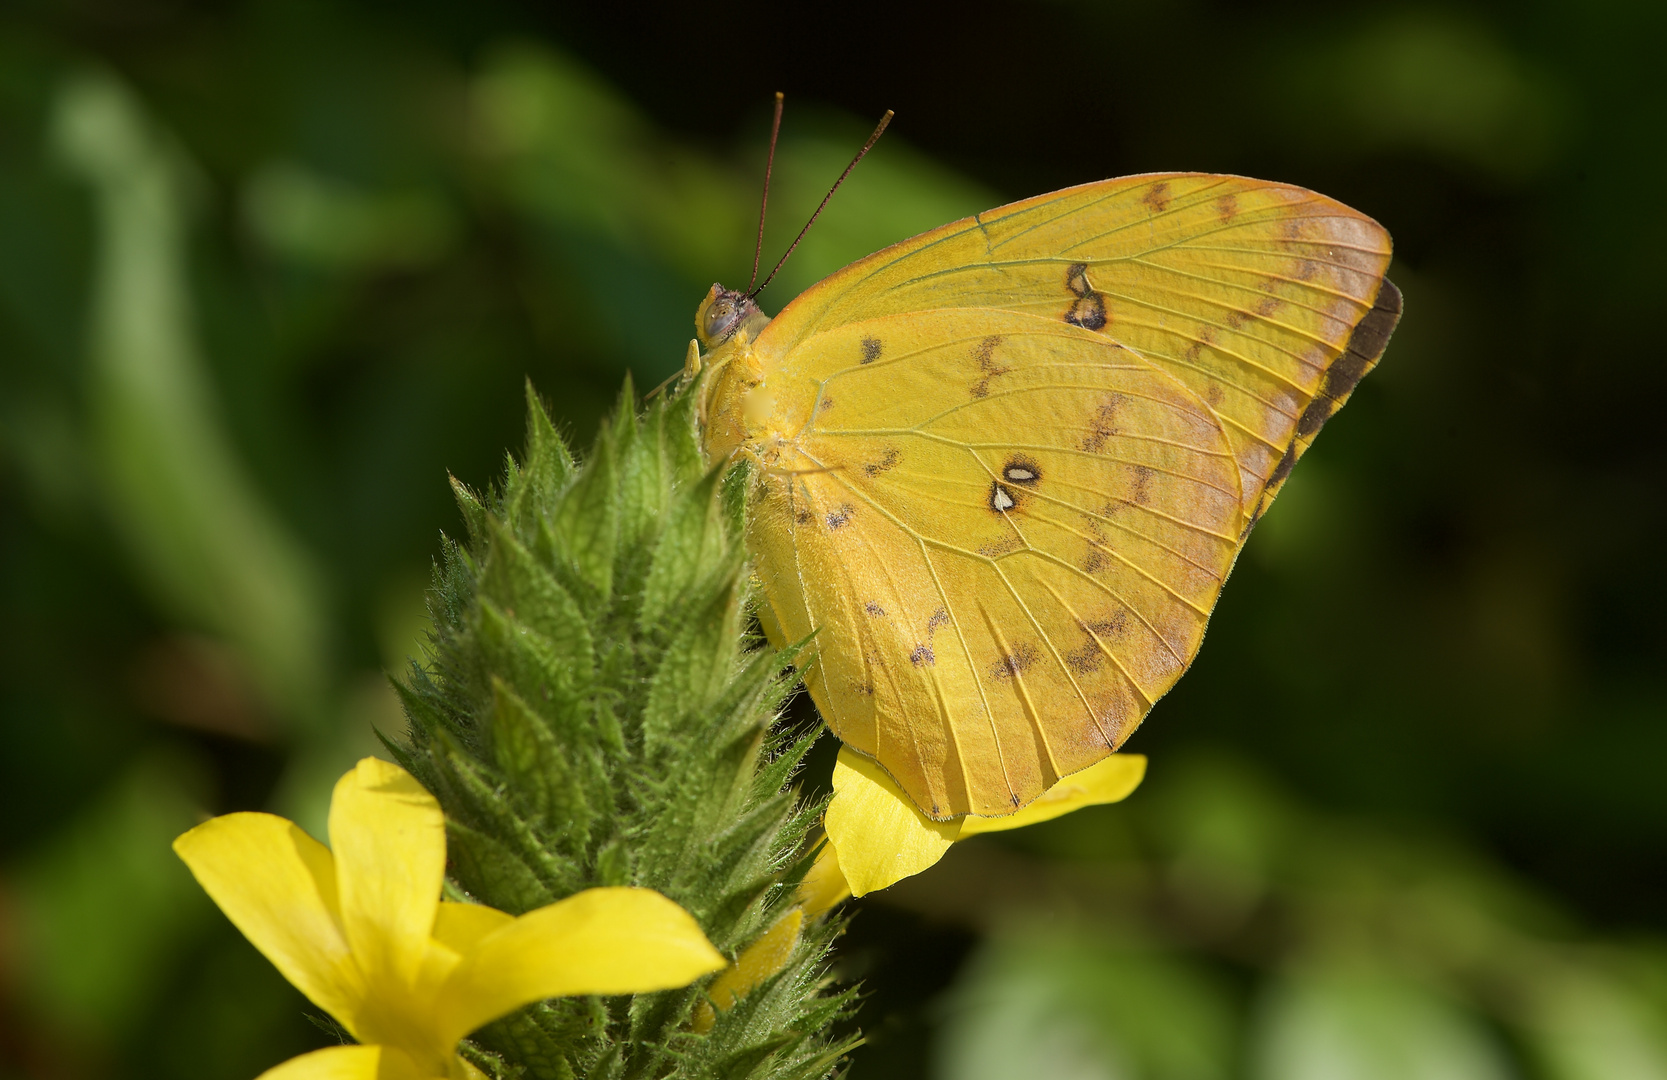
269,270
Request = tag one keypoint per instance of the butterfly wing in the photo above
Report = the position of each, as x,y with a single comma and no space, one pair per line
1268,301
1007,532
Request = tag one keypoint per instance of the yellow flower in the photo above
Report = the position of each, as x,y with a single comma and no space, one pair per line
822,888
877,837
361,930
762,959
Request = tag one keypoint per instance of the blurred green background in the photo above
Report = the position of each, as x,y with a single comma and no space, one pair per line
269,270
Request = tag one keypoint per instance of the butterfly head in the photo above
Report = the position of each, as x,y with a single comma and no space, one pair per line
723,312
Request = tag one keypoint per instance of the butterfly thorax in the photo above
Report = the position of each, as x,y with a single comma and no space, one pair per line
735,402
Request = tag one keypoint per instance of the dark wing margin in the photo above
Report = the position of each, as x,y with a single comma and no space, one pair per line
1365,347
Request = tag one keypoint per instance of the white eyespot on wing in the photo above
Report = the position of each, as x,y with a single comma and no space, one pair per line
1001,500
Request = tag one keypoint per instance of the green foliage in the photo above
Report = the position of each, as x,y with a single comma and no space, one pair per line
1227,930
596,712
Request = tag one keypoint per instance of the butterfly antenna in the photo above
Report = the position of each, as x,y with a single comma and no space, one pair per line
764,203
866,147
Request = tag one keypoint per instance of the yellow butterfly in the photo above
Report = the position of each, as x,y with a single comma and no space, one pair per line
1001,470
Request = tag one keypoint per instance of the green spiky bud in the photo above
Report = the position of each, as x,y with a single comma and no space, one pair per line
595,710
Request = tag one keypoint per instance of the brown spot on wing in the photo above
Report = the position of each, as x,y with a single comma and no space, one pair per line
1088,310
1142,484
1092,654
1157,196
1022,657
1102,426
1227,208
1206,338
874,609
1366,344
1085,660
922,656
1098,544
841,516
939,619
1021,470
984,354
1371,334
871,347
888,460
1108,626
1283,469
995,549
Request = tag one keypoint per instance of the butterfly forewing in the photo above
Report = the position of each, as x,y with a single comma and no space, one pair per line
1008,533
1247,292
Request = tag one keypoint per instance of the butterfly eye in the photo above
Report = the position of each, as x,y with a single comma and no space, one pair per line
727,311
719,315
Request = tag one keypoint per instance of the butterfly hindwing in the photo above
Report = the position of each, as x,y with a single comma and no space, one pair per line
1007,532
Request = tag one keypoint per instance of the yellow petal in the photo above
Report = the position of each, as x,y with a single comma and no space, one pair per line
278,886
390,843
462,1069
760,960
461,926
347,1063
880,836
600,941
824,885
1109,780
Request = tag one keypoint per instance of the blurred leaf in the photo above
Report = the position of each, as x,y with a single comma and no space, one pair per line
231,1016
315,219
199,529
1433,81
105,907
1021,1031
576,153
1229,830
1066,1003
1361,1024
635,223
1584,1026
647,224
